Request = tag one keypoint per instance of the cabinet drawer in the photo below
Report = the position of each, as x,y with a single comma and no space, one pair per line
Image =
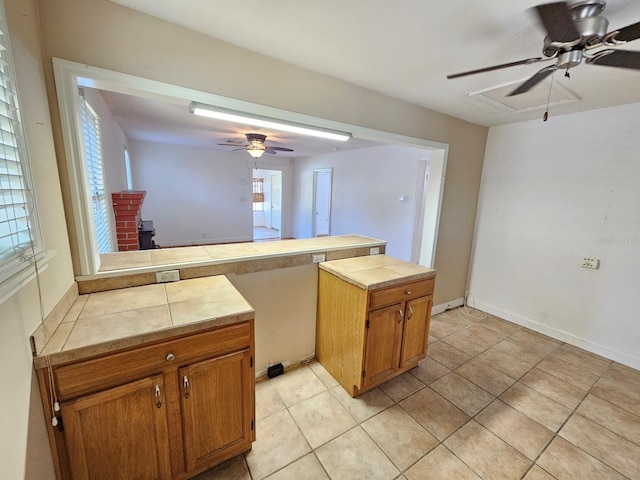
400,293
115,369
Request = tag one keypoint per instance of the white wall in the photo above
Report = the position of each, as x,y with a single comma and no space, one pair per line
285,303
366,186
24,450
149,47
551,193
197,195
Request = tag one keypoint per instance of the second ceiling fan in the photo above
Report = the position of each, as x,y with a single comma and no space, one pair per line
256,146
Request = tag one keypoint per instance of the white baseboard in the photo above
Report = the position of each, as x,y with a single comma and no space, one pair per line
207,241
436,309
561,335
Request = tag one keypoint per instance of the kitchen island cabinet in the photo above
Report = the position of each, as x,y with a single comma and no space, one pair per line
166,404
373,319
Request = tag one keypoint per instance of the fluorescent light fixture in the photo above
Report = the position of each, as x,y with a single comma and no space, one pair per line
266,122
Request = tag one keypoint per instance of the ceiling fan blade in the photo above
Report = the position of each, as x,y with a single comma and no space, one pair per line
534,80
232,144
557,21
497,67
270,151
628,33
280,149
238,149
617,58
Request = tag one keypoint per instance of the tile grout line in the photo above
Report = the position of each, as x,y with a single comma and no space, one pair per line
533,463
573,412
495,397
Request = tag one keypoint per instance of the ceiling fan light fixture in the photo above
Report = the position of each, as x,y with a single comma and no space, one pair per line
255,152
266,122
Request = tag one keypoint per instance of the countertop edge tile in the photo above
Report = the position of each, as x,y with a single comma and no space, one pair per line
114,346
240,311
350,276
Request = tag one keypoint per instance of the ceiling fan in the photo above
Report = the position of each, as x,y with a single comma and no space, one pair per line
576,32
256,146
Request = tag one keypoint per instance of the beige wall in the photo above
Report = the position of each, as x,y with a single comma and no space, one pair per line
108,35
24,450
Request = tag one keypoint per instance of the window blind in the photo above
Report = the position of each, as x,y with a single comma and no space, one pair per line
19,238
95,169
258,190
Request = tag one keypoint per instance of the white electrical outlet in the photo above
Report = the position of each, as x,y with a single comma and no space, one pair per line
168,276
374,251
318,257
589,262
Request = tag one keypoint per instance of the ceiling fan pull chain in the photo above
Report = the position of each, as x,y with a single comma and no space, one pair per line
545,117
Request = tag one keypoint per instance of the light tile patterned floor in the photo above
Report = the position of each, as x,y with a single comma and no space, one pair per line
492,400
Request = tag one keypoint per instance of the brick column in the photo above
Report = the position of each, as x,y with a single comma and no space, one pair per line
126,207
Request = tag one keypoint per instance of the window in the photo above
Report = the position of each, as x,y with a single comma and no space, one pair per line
20,243
95,169
127,169
258,194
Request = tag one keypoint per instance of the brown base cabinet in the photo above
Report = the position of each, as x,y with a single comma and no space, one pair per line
168,410
365,337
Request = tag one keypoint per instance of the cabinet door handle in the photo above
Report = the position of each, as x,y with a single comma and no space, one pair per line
408,292
171,357
158,397
185,382
410,313
400,315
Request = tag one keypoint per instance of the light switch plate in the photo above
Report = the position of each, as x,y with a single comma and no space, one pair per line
374,251
318,257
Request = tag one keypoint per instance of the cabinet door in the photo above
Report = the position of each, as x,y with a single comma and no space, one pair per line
382,345
120,433
416,330
217,408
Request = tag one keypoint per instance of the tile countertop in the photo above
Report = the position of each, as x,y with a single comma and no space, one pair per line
150,260
106,321
136,268
376,271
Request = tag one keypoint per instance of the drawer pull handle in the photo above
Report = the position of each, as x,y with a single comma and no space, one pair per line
407,292
158,397
400,316
185,382
171,357
410,313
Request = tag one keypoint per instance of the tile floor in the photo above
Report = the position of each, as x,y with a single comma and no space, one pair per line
264,233
492,400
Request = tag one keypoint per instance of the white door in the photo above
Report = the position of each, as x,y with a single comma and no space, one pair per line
322,202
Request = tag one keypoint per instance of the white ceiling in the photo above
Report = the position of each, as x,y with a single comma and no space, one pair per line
170,122
405,48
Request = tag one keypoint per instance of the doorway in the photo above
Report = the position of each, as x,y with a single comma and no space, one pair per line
430,182
322,182
267,204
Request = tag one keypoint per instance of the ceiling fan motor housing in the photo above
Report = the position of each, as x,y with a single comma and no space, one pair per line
592,29
255,137
570,59
589,24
